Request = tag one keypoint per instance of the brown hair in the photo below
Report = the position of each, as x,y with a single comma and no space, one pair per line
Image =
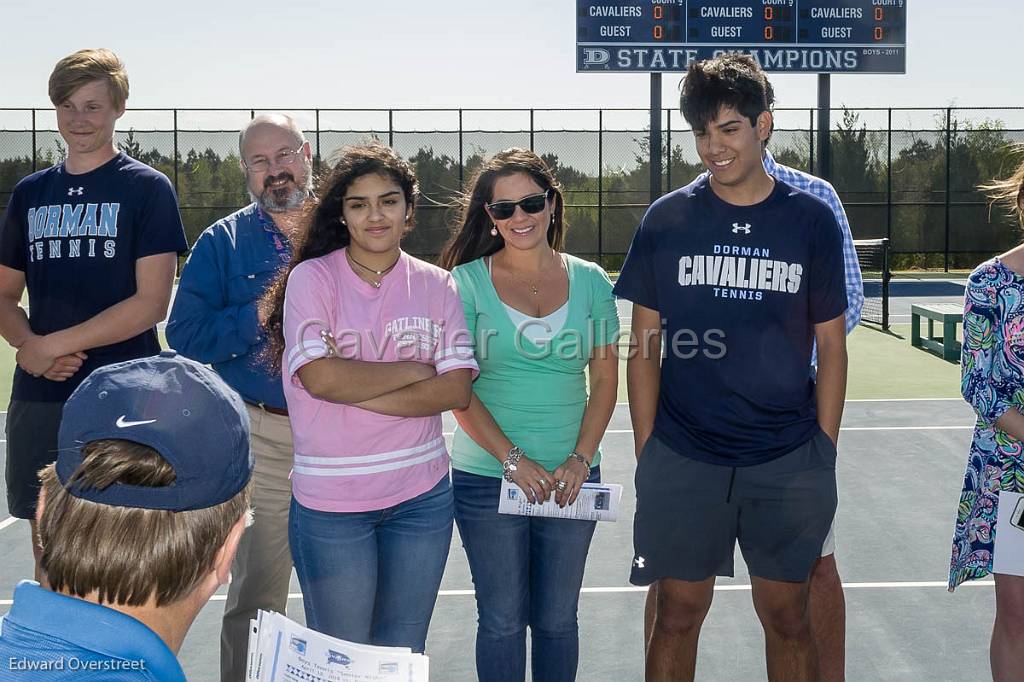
732,80
1009,192
472,238
128,555
86,66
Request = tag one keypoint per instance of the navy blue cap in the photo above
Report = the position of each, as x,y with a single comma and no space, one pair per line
176,406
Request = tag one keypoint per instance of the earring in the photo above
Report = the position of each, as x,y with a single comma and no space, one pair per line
494,231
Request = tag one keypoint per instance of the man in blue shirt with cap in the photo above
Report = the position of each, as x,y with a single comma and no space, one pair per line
139,520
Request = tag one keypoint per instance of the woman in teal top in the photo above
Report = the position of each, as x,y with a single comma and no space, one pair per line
540,320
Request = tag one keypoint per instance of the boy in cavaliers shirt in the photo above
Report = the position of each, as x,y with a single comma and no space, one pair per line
741,274
94,240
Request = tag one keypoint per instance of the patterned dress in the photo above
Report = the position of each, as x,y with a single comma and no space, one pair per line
992,364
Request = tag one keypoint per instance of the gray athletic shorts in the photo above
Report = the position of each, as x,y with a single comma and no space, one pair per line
690,514
31,444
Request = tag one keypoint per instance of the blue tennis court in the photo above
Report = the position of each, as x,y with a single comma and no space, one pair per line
900,469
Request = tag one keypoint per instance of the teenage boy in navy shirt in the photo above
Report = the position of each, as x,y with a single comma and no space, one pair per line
94,240
741,274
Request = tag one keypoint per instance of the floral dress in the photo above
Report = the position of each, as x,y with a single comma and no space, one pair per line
992,365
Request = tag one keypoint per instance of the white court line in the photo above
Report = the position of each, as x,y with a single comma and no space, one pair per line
899,400
907,428
844,428
877,400
852,400
865,428
718,588
11,520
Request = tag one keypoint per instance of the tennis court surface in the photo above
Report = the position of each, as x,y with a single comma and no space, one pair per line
900,468
901,460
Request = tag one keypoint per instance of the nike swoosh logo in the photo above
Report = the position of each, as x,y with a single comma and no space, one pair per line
122,424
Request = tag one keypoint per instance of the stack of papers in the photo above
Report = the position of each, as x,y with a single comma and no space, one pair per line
281,650
596,502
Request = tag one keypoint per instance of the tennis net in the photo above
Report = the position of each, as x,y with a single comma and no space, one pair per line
873,255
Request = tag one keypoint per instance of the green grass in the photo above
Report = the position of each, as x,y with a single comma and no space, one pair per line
884,365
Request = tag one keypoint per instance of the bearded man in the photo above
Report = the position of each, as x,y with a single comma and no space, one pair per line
215,320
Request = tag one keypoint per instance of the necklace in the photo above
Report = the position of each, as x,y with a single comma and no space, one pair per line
380,273
533,285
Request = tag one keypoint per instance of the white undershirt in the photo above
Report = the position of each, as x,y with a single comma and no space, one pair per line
537,330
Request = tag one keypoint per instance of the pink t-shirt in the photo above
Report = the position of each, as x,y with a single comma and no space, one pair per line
348,459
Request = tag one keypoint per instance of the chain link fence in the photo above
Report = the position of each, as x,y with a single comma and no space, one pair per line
909,175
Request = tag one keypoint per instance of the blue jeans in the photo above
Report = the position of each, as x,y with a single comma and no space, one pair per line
527,572
372,577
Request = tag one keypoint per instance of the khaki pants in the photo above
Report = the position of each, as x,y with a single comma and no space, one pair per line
263,565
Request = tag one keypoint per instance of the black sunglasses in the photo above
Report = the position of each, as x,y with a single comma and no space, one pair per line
535,203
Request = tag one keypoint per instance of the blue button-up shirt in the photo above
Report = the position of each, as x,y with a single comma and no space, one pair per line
214,318
823,190
50,636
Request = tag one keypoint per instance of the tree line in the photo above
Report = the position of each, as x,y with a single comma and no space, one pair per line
912,199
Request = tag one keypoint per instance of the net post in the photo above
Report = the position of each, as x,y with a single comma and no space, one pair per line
886,276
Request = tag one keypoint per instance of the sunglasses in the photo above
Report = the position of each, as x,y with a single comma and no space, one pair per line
535,203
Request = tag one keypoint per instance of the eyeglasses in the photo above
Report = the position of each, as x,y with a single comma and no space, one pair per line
535,203
261,164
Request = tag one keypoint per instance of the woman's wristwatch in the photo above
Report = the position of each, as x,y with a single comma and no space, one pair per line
577,456
515,453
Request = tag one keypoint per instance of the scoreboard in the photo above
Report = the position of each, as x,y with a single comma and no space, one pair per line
808,36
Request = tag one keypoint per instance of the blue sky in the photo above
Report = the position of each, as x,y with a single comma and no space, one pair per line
446,53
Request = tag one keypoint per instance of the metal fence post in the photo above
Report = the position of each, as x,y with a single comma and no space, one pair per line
35,153
391,127
317,139
177,190
888,182
948,146
461,157
654,139
668,150
600,185
531,129
810,140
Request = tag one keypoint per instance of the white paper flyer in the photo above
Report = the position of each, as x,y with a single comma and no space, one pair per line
281,650
596,502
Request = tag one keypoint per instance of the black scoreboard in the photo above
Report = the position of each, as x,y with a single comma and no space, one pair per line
799,36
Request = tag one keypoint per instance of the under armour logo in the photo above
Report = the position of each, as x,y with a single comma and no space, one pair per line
72,191
737,228
638,562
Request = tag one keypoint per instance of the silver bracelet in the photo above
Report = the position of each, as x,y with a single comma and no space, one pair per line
515,453
577,456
